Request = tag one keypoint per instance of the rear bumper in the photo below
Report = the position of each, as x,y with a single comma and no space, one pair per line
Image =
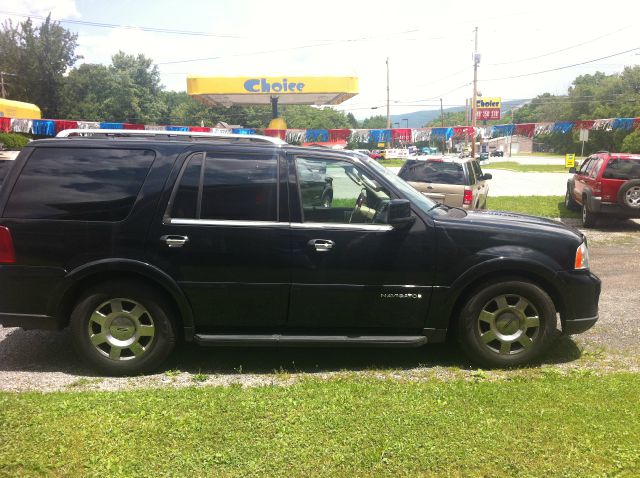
611,209
581,293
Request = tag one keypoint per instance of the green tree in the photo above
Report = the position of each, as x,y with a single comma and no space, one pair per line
631,143
38,57
128,90
375,122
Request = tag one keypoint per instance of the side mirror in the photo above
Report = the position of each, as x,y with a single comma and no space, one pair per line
398,214
572,170
486,176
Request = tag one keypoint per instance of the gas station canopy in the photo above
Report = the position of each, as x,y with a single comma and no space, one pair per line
289,90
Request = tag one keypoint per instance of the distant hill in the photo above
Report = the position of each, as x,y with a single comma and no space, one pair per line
417,119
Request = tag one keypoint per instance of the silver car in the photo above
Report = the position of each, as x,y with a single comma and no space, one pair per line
456,182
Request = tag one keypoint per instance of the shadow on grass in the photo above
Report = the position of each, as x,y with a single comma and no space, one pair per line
47,351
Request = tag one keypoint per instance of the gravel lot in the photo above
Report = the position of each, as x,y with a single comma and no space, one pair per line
45,361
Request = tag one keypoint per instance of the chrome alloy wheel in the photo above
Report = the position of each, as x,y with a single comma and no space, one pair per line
508,324
632,197
121,329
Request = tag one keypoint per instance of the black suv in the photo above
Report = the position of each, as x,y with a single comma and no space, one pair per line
134,242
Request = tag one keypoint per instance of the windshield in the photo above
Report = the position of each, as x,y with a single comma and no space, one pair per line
423,202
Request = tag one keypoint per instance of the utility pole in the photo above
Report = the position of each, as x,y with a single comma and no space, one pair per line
476,60
511,136
4,93
388,108
442,124
3,90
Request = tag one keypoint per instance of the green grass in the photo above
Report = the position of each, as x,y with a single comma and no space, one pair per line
576,425
527,168
545,206
392,162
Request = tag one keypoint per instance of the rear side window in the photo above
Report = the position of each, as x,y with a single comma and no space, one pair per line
4,169
228,187
624,169
434,172
79,184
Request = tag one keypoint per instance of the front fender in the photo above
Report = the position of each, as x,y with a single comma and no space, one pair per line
492,263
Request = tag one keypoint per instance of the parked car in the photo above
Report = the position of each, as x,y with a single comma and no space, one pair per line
607,184
497,153
483,156
134,241
451,181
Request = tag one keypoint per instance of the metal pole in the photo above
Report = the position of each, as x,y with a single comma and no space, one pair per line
2,83
475,92
388,108
442,124
511,135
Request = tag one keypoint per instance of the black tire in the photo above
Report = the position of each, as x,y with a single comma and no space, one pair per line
117,313
569,202
589,219
518,341
629,196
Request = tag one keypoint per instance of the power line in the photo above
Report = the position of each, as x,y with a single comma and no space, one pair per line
130,27
561,50
562,67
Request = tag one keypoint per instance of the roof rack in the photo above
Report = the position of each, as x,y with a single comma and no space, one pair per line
70,133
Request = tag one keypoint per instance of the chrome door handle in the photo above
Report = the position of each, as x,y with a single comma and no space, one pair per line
322,245
175,241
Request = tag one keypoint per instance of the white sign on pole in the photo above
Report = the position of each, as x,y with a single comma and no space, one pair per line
584,135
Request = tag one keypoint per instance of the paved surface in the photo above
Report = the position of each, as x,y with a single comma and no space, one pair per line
44,360
512,183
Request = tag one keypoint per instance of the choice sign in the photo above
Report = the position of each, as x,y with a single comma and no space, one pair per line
262,85
488,108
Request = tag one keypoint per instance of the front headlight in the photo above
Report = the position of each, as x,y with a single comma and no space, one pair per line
582,257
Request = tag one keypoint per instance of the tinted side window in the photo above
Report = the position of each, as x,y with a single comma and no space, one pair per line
593,172
4,169
79,184
434,172
240,188
186,198
588,162
622,169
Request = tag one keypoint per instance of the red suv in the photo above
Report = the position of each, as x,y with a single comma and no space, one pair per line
606,184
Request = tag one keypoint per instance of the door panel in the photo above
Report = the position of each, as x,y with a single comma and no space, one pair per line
371,276
233,264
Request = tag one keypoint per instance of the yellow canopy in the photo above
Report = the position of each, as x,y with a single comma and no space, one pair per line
18,109
257,90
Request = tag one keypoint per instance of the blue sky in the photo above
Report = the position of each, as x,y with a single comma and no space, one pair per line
429,43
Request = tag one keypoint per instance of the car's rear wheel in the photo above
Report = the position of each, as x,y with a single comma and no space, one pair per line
122,328
569,202
507,323
589,218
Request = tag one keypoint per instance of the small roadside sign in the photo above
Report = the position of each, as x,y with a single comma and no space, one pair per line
584,134
569,160
381,145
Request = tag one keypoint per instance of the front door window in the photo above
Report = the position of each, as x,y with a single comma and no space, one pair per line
334,191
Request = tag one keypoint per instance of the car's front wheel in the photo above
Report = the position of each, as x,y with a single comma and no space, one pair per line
569,202
122,328
507,323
